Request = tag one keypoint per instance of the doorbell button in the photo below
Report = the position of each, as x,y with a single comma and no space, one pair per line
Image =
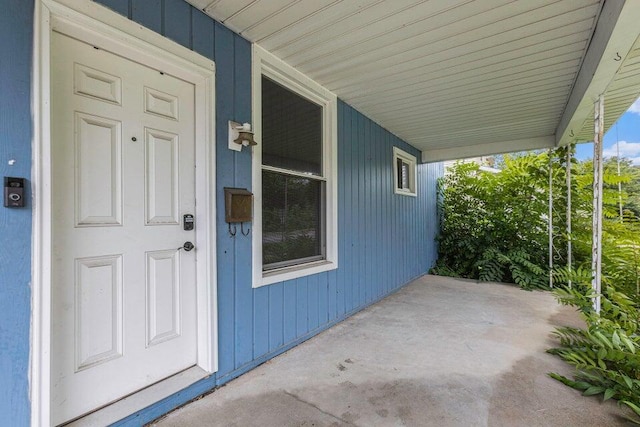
14,192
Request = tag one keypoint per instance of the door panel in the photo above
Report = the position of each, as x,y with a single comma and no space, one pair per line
123,295
161,191
98,317
98,177
96,84
163,296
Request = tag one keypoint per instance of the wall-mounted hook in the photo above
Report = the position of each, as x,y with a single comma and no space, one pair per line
618,58
235,230
571,133
242,229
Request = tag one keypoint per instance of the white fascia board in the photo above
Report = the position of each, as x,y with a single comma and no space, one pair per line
455,153
616,31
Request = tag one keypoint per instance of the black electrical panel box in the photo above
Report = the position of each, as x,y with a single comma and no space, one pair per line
14,192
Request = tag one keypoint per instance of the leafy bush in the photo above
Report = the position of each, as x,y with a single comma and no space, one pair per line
606,353
494,227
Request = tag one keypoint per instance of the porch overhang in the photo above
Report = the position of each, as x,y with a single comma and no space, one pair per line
458,78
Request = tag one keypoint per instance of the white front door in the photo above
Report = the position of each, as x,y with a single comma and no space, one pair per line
123,167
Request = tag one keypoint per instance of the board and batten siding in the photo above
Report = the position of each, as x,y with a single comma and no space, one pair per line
384,241
16,41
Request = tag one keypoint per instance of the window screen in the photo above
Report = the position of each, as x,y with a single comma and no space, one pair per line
292,181
291,130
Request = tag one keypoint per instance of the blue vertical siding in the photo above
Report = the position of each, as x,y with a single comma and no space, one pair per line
16,39
384,240
225,168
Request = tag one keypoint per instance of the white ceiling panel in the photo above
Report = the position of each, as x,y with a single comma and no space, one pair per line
342,13
451,75
226,9
255,13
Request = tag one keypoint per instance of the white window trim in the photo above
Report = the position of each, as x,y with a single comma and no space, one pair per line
264,63
413,179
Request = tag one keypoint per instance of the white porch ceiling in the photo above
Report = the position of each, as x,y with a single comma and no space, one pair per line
454,78
620,94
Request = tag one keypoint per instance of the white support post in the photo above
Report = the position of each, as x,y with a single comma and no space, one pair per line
550,218
596,245
619,182
569,237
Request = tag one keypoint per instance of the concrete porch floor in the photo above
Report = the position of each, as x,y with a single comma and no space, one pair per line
440,352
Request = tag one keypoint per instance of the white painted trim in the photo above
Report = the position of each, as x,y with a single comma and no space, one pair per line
86,20
413,177
40,354
295,271
455,153
616,31
264,63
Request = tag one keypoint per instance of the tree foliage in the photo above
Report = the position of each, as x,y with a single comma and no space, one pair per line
494,226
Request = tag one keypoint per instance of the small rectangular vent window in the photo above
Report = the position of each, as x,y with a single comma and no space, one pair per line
404,165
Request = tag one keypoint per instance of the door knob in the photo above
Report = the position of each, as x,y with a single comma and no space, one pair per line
188,246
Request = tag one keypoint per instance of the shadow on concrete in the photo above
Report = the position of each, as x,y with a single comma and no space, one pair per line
440,352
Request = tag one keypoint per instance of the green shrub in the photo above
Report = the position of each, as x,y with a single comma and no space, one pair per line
606,352
494,227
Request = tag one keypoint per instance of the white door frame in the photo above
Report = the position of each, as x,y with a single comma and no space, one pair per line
86,20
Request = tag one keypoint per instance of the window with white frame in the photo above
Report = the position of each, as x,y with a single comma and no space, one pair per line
404,172
295,217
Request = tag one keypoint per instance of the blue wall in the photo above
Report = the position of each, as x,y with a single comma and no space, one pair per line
16,38
385,240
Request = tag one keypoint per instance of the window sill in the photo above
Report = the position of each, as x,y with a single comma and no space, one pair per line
406,193
294,272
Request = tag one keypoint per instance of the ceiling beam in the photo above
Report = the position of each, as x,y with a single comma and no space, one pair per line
441,154
616,31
